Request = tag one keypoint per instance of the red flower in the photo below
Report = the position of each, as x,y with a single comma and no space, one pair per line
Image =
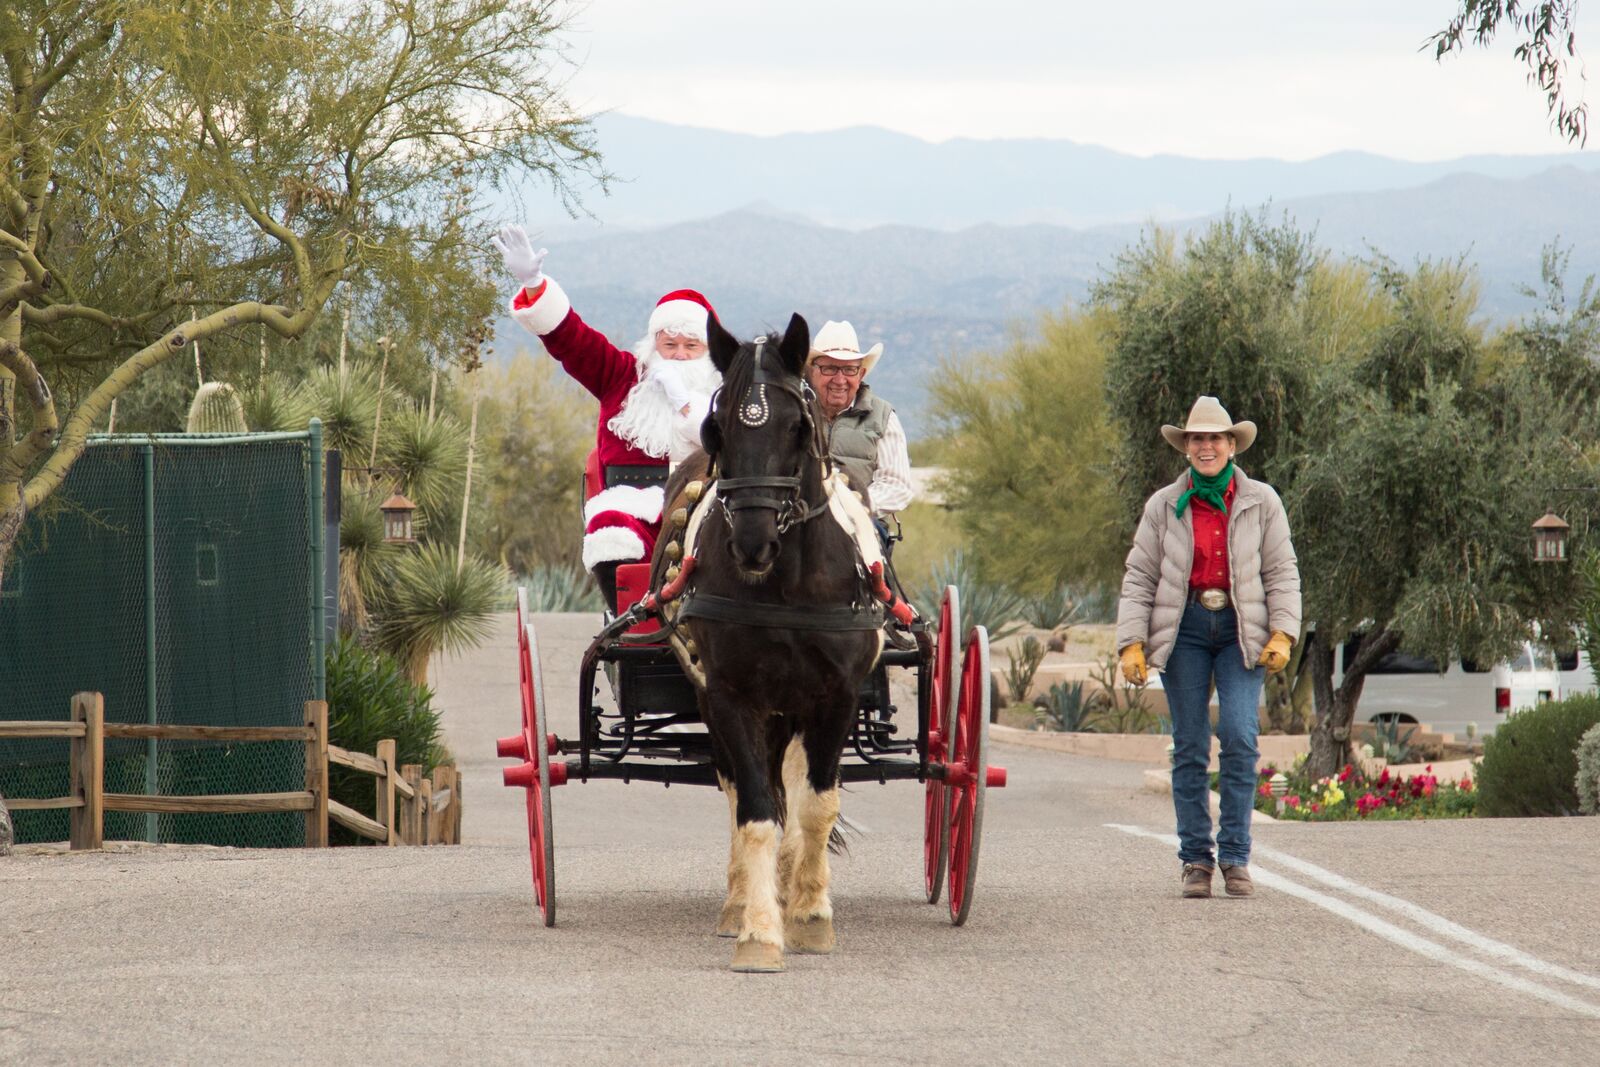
1383,777
1265,790
1466,784
1291,801
1344,775
1315,807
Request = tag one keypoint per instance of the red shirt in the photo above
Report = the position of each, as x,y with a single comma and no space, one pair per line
1210,569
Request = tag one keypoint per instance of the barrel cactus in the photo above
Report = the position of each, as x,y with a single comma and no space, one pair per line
216,409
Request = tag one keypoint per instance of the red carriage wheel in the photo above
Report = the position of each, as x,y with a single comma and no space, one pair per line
968,774
535,773
935,818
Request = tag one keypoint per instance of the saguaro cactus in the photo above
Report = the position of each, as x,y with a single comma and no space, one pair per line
216,409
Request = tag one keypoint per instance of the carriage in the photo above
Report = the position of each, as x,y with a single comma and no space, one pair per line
653,733
652,729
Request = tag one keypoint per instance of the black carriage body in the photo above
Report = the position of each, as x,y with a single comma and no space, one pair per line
654,734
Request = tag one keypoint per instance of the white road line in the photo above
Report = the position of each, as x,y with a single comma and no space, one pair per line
1437,923
1390,932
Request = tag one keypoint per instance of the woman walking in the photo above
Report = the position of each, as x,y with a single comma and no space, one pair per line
1211,596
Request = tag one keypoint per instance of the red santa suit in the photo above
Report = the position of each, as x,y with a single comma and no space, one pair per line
639,425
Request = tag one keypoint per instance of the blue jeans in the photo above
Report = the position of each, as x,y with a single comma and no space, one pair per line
1207,650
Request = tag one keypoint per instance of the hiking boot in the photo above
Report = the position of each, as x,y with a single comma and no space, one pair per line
1196,880
1236,880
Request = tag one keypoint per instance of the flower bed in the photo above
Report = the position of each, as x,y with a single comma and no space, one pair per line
1352,795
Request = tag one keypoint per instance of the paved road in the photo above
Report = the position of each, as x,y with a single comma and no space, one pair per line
1078,949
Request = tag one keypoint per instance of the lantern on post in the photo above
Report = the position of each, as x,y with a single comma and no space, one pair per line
397,520
1280,788
1550,539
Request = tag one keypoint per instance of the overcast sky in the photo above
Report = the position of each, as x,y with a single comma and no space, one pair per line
1289,79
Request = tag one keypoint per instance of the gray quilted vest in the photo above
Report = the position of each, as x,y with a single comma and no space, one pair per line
853,438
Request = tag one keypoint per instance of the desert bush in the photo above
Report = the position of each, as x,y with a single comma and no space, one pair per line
1530,762
1587,783
371,699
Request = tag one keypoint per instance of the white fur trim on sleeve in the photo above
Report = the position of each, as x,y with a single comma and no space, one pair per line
641,502
546,313
611,544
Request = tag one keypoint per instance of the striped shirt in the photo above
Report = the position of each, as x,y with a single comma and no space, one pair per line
891,488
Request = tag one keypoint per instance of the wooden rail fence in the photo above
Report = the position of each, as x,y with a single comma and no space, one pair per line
411,809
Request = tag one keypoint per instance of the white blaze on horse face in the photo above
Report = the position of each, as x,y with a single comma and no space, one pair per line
758,853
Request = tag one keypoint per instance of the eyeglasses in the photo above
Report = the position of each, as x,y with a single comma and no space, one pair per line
831,370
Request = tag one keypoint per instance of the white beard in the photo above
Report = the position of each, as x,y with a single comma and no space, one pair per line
647,419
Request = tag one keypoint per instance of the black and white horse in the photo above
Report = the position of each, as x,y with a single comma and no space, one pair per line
783,634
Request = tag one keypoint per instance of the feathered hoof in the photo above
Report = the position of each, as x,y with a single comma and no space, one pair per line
756,957
813,936
731,921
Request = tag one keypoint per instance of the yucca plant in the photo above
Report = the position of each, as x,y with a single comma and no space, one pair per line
365,558
430,604
216,409
347,403
561,587
429,457
276,406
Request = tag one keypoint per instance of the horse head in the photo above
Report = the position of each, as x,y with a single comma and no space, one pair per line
764,438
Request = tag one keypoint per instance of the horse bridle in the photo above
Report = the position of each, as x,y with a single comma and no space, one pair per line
754,411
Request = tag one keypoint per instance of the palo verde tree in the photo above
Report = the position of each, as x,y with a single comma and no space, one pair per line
180,172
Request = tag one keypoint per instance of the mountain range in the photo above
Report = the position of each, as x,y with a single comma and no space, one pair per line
934,274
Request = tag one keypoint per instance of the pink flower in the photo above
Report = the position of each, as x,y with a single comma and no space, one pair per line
1291,801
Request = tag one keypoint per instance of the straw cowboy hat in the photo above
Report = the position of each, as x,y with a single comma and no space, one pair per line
1209,416
837,340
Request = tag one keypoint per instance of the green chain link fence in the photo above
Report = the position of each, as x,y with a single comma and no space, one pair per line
182,577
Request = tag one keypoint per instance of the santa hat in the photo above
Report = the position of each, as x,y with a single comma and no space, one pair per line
682,312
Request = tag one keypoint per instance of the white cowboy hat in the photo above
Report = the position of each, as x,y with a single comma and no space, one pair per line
1209,416
837,340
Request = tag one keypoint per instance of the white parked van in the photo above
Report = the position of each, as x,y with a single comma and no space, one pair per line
1577,676
1411,689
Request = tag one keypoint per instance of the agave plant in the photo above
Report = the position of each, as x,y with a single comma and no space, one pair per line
561,587
988,604
430,456
430,604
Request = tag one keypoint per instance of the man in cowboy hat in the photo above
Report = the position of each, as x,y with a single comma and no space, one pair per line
652,400
865,437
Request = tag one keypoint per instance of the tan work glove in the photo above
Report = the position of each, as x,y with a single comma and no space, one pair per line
1275,657
1133,666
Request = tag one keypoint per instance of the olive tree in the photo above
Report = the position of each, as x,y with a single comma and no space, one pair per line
1418,474
176,173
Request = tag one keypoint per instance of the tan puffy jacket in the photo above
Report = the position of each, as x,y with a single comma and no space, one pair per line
1264,576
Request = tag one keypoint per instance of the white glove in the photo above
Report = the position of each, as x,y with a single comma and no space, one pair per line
678,395
522,262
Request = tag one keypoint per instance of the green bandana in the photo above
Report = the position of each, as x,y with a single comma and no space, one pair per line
1208,489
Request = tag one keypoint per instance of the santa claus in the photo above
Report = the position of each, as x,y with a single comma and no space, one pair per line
652,400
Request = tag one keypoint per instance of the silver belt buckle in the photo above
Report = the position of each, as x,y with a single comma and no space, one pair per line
1213,599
